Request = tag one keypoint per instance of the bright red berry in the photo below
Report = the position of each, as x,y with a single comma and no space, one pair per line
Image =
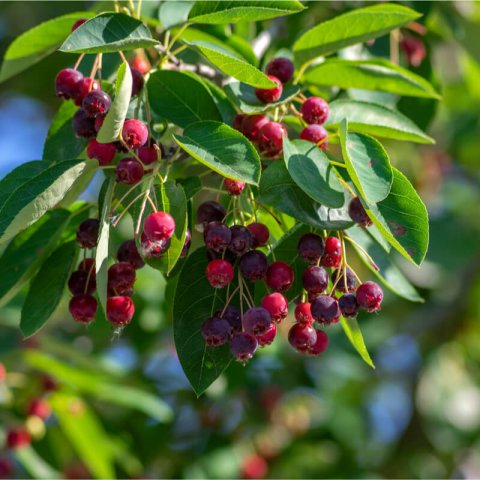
83,126
148,154
140,64
129,171
121,277
414,49
219,273
241,241
348,305
210,211
216,331
3,372
252,124
320,344
137,81
243,346
79,22
233,187
83,308
311,247
67,83
315,280
268,337
303,314
85,86
270,139
333,253
315,134
87,233
302,337
253,265
120,310
260,234
325,310
159,226
276,305
282,68
81,281
253,467
103,152
280,276
315,110
270,95
18,438
40,408
99,122
128,252
134,133
357,213
257,321
370,296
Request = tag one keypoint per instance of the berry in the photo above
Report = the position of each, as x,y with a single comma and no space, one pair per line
370,296
186,244
128,252
358,214
351,283
325,310
99,122
280,276
148,154
103,152
88,264
140,64
348,305
137,81
315,110
254,466
121,277
303,314
242,240
40,408
85,86
120,310
311,247
238,121
270,139
219,273
243,346
217,236
259,233
414,49
233,187
257,321
302,337
333,253
233,316
82,125
282,68
159,226
134,133
270,95
79,22
83,308
77,283
67,83
315,134
253,265
96,103
87,233
129,171
216,331
3,372
6,468
315,280
252,124
210,212
276,305
268,337
152,248
320,345
18,438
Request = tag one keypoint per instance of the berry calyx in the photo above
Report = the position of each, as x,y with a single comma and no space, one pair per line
270,139
358,214
79,22
344,285
320,344
241,241
348,305
219,273
282,68
260,234
268,337
217,236
216,331
81,281
83,125
83,308
315,110
103,152
370,296
121,277
96,103
280,276
87,233
18,438
120,310
85,86
311,247
315,134
257,321
333,253
315,280
67,83
128,252
159,226
302,337
243,346
233,187
270,95
39,408
252,124
210,211
303,313
233,316
134,133
325,310
129,171
253,265
276,305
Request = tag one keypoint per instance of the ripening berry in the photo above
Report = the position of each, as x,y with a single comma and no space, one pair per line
85,86
270,139
333,253
210,211
315,110
159,226
3,372
83,308
315,280
325,310
99,122
260,234
81,281
39,408
253,265
103,152
140,64
302,337
233,316
134,133
277,306
129,171
120,310
370,296
79,22
67,83
348,305
217,236
252,124
87,233
96,103
257,321
216,331
270,95
137,81
320,344
83,126
219,273
121,278
268,337
414,49
241,241
243,346
18,438
233,187
315,134
238,121
128,252
357,213
303,314
311,247
280,276
282,68
150,153
254,467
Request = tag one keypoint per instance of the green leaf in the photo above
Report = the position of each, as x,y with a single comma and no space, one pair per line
244,97
376,74
32,189
222,149
389,274
278,189
46,289
367,164
191,186
354,335
352,27
310,169
37,43
376,120
34,464
201,364
223,103
232,64
112,125
402,219
172,13
241,11
109,32
181,98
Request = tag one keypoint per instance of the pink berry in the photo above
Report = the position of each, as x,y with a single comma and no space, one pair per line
128,252
148,154
18,438
243,346
83,308
260,234
303,314
79,22
315,134
121,277
315,110
85,86
270,95
219,273
233,187
216,331
3,372
320,345
252,124
67,83
270,139
134,133
39,408
414,49
254,467
120,310
277,305
159,226
140,64
302,337
129,171
333,253
325,310
103,152
282,68
268,337
280,276
370,296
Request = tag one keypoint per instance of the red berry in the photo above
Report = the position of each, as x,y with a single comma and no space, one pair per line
344,285
85,86
121,277
259,233
217,236
83,308
96,103
252,124
325,310
87,233
79,22
210,212
238,121
315,134
67,83
414,49
268,337
333,253
358,214
216,331
311,247
303,314
219,273
370,296
18,438
257,321
243,346
253,265
134,133
148,155
315,280
302,337
276,305
77,283
241,241
280,276
103,152
120,310
6,468
83,126
153,248
253,467
348,305
233,187
137,81
88,264
282,68
128,252
320,345
270,95
99,122
129,171
40,408
159,226
270,139
186,244
3,372
140,64
315,110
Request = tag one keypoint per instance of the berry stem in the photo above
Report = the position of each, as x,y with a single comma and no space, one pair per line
253,203
154,208
394,46
122,198
337,164
77,63
139,8
240,286
252,302
369,258
116,222
347,186
177,36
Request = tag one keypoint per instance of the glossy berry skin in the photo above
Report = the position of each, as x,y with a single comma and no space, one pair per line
270,95
302,337
270,139
219,273
333,253
186,244
96,103
358,214
140,64
254,265
315,134
99,122
87,233
85,86
243,346
159,226
260,234
83,308
137,81
18,438
257,321
276,305
128,252
369,296
129,171
241,241
39,408
351,283
121,277
77,283
311,247
348,305
280,276
320,344
83,126
217,236
210,211
282,68
67,83
120,310
325,310
315,110
134,133
252,124
79,22
103,152
148,154
303,313
233,316
233,187
216,331
268,337
315,280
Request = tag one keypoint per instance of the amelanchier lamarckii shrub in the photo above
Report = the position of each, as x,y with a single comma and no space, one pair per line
292,162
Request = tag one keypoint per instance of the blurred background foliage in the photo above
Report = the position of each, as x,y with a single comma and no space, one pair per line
123,408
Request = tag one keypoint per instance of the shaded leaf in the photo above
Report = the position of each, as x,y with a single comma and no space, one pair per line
172,13
354,335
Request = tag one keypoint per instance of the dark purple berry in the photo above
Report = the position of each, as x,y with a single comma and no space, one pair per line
217,236
311,247
257,321
357,213
83,125
253,265
243,346
216,331
83,308
210,212
320,344
370,296
242,240
340,286
128,252
282,68
87,233
259,233
302,337
96,103
137,81
85,86
66,83
315,280
121,277
348,305
129,171
325,310
233,316
82,282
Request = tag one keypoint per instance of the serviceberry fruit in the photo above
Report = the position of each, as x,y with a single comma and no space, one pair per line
120,310
103,152
67,83
370,296
276,305
238,121
282,68
219,273
186,244
311,247
159,226
81,281
260,234
270,139
216,331
252,124
87,233
268,337
79,22
358,214
348,305
233,187
39,408
210,211
137,81
280,276
98,124
129,171
140,64
270,95
88,264
148,154
152,248
302,337
6,468
315,280
85,86
320,344
414,49
257,321
233,316
315,110
18,438
351,283
121,277
253,265
253,466
128,252
243,346
333,253
96,103
241,241
325,310
83,125
83,308
217,236
134,133
303,314
315,134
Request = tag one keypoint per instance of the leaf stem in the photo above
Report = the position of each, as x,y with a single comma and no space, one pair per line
177,36
347,186
77,63
369,258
